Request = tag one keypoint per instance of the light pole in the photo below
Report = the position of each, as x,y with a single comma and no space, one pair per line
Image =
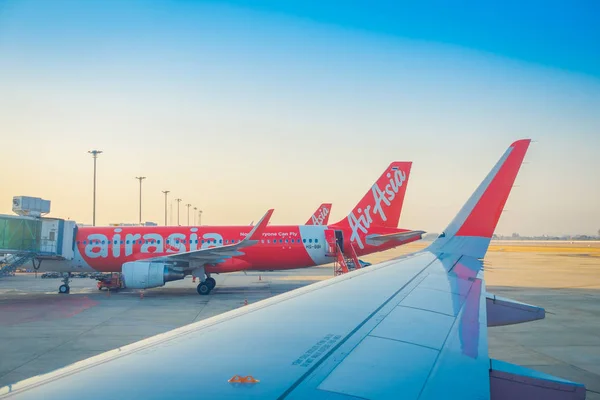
140,178
94,154
178,201
166,192
188,207
195,208
199,217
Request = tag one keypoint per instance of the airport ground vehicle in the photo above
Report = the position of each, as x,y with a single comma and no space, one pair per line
111,282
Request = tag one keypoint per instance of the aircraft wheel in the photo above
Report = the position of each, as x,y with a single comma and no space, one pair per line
211,283
63,289
203,289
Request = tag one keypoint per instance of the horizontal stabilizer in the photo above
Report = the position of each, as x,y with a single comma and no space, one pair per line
510,381
503,311
377,240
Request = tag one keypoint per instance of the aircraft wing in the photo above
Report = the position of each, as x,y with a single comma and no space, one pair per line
219,254
410,328
376,240
308,343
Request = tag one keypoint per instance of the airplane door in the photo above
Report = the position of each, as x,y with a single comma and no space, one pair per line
339,237
330,241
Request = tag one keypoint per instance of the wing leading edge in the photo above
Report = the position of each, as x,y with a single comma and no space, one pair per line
420,333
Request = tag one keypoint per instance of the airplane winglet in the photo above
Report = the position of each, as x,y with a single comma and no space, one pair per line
472,228
258,229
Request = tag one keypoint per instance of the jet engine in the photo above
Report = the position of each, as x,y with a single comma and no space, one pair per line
144,274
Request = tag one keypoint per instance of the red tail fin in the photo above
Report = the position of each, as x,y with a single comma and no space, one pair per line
382,204
321,216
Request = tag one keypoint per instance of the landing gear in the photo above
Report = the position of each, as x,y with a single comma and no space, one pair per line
211,282
203,288
64,288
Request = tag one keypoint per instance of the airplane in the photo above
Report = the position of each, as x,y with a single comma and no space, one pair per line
321,216
151,256
414,327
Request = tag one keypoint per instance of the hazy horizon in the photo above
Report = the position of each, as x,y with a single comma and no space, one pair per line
241,106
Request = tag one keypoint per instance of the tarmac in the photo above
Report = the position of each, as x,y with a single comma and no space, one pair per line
41,330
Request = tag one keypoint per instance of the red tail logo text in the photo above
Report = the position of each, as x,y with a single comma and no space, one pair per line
363,222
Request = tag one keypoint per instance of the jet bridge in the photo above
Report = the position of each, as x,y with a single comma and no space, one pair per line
24,238
20,234
28,236
40,236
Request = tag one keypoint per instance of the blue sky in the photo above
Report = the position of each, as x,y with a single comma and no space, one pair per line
240,106
560,34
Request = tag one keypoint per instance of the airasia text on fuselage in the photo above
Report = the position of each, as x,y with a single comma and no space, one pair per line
99,245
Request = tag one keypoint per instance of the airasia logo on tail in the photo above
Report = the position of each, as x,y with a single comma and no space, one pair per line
382,199
318,219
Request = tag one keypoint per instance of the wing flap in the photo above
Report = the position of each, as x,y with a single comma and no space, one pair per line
502,311
510,381
415,326
402,369
434,301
